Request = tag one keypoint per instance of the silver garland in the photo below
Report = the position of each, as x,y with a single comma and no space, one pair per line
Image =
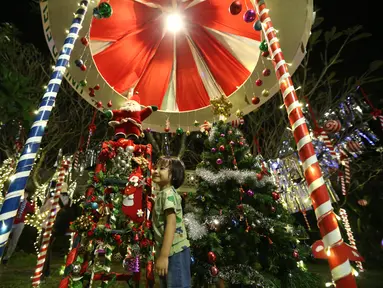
240,176
196,230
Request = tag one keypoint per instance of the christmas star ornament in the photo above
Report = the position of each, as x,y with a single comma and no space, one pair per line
289,228
140,213
221,107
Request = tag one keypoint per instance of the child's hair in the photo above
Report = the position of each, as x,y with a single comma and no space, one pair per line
176,168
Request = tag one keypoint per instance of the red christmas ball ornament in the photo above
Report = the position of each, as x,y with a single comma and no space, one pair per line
296,254
110,103
84,41
265,54
211,257
167,129
332,126
136,237
99,104
266,72
241,143
353,146
275,195
273,209
259,176
255,100
235,8
97,87
83,67
258,82
221,148
214,271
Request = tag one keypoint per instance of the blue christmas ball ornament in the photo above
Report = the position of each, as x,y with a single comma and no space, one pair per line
257,25
192,260
234,222
94,205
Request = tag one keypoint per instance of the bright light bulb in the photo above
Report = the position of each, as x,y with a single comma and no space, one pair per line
174,22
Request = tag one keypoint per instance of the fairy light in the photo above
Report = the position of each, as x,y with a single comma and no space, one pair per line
6,170
350,236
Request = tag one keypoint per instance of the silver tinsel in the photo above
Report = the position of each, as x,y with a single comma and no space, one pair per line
236,273
195,229
213,131
240,176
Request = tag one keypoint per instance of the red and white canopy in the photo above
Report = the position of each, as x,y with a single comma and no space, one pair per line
213,53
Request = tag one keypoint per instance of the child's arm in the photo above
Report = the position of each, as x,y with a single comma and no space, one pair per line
170,228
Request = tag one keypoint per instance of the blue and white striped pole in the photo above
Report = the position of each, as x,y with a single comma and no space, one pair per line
32,145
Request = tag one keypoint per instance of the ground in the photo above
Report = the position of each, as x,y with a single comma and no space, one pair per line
20,268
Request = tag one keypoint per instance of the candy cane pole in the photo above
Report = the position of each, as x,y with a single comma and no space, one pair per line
48,231
32,144
339,263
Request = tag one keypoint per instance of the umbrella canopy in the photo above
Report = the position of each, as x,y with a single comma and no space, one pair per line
177,57
199,62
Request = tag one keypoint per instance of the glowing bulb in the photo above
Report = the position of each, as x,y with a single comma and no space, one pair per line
174,22
328,252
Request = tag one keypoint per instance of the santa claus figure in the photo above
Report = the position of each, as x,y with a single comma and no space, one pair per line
127,121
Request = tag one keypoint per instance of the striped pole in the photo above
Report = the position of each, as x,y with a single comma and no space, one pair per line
339,263
48,231
32,144
328,143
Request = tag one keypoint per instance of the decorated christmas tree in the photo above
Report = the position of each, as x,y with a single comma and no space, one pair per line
240,232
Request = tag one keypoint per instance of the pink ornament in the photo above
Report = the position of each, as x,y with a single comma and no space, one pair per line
332,126
219,161
296,254
230,132
232,143
213,150
249,16
258,82
250,193
266,72
222,135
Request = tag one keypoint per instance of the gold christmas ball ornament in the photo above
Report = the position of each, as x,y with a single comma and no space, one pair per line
221,106
239,114
265,93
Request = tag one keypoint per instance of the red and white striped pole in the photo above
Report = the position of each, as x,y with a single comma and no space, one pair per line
339,263
51,220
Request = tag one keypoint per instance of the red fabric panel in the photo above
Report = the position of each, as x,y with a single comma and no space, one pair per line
214,14
154,82
123,63
128,17
227,71
163,3
191,93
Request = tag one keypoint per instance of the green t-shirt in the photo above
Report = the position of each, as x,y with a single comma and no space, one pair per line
169,199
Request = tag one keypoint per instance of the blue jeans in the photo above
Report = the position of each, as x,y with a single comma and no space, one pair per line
178,271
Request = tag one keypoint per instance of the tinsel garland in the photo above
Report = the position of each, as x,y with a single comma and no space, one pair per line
195,229
235,275
240,176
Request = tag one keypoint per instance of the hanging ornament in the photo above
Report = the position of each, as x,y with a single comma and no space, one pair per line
213,150
332,126
84,41
110,103
80,64
257,25
353,146
265,93
83,83
265,54
235,8
249,16
266,72
221,106
179,131
275,195
273,209
219,161
259,82
250,193
214,271
222,148
99,104
196,123
255,100
167,125
222,135
263,46
363,202
91,92
296,254
104,10
211,257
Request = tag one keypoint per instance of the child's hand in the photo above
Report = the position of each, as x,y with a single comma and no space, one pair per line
162,266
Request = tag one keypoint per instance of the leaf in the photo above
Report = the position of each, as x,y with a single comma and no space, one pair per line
315,37
375,65
317,22
361,36
332,75
373,80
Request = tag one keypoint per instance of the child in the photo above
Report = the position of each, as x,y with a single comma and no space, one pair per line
172,246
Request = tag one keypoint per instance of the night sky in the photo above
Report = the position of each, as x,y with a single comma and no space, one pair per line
339,13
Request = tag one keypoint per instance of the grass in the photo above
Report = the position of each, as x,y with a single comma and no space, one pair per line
20,268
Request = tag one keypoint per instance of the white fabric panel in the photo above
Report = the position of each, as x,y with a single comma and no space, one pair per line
99,46
207,79
169,101
244,49
193,3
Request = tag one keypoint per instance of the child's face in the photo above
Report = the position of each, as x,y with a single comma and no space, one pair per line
161,174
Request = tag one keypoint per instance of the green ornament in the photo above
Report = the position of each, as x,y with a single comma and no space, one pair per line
179,131
263,46
83,83
105,10
196,123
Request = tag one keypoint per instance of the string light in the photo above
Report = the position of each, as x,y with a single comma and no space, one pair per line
6,171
